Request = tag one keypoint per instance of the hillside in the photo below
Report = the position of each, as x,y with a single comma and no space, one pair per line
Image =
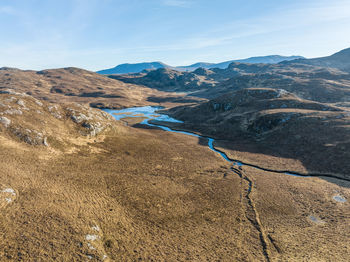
165,79
76,185
271,59
309,82
306,81
277,123
78,85
339,60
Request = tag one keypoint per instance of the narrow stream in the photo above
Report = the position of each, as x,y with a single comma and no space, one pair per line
149,113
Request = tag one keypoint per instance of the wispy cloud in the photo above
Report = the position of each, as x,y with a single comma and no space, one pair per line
177,3
7,10
314,28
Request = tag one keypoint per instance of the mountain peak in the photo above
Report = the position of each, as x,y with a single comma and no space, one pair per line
342,53
133,68
140,67
339,60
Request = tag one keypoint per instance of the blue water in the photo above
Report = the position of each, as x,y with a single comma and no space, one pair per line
291,174
150,113
146,111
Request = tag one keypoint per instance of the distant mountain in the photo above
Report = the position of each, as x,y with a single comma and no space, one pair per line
195,66
339,60
133,68
167,79
322,84
139,67
271,59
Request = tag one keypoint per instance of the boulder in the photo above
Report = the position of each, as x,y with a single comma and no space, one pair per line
5,121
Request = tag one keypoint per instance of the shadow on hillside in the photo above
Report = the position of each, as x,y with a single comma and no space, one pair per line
329,159
155,99
329,156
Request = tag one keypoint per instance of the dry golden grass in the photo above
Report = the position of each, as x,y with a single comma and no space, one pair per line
132,194
274,129
82,86
174,209
285,205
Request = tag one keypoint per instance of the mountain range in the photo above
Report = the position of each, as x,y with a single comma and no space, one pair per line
339,60
306,78
139,67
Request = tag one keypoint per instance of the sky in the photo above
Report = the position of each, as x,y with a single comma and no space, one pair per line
99,34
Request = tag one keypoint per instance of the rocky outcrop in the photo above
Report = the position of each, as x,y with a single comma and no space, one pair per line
36,122
89,119
5,121
31,137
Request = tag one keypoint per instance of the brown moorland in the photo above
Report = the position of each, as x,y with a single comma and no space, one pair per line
262,126
82,86
76,185
144,194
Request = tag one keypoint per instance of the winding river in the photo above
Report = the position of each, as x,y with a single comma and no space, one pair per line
150,113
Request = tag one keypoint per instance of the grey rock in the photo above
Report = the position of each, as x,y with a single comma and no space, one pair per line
13,112
5,121
38,102
21,103
45,143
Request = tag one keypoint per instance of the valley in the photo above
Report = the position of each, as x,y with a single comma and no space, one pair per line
244,163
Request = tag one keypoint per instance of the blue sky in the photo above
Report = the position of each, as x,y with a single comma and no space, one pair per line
98,34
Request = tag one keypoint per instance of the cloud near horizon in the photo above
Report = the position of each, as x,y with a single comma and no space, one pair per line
97,34
177,3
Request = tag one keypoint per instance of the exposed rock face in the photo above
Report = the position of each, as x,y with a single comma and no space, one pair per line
95,128
54,111
88,118
267,123
33,121
221,107
12,111
31,137
5,121
12,92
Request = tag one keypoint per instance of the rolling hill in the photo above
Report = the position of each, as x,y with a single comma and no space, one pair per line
139,67
311,82
78,85
77,185
274,122
339,60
